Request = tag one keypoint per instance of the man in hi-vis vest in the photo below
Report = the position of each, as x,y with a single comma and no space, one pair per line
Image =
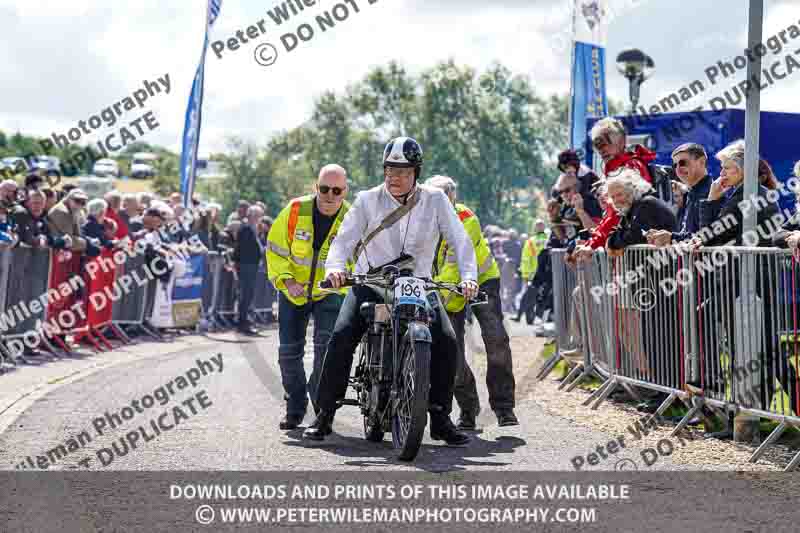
499,371
297,247
528,266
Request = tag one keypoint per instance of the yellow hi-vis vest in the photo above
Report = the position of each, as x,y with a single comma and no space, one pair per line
446,265
530,255
290,249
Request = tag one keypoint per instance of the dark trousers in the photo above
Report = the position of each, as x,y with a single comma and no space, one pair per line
247,287
499,367
528,303
292,326
347,333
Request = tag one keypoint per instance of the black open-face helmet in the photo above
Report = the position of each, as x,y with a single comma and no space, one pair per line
403,152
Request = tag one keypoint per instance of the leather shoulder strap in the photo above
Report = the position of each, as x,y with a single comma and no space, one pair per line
387,222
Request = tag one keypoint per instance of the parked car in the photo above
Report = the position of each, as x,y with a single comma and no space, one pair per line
143,165
105,168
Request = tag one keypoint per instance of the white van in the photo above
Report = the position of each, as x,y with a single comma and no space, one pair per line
106,167
143,165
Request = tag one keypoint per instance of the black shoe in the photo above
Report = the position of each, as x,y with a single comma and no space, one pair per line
247,331
322,426
516,318
506,417
442,428
291,421
466,421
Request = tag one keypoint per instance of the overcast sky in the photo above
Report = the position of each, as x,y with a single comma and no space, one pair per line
62,62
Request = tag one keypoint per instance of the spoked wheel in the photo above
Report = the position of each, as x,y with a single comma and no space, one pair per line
373,429
369,397
411,404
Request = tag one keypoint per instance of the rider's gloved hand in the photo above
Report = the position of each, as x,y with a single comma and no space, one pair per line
337,279
469,289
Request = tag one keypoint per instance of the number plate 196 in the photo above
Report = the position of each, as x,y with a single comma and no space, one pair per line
409,291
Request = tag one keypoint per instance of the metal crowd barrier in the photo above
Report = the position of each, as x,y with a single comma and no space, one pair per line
715,327
226,310
24,280
34,275
129,309
564,283
211,286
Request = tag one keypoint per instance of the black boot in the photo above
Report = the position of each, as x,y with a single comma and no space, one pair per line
322,426
442,428
506,417
291,421
466,420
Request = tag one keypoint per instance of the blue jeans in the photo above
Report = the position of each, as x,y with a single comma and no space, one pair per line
292,325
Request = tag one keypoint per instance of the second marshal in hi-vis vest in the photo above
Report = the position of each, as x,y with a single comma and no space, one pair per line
290,249
446,266
530,255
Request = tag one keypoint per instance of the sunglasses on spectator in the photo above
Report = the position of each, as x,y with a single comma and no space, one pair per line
568,190
324,189
682,163
79,202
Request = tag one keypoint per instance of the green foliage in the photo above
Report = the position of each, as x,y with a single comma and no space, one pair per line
490,132
165,184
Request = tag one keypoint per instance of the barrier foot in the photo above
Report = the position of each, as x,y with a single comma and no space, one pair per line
90,340
587,371
776,433
653,419
119,333
62,344
793,463
102,339
631,392
150,332
599,390
574,372
50,348
685,420
548,366
605,394
665,404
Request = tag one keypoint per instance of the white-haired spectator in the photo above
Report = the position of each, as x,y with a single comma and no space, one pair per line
721,217
94,229
8,191
639,210
609,139
130,214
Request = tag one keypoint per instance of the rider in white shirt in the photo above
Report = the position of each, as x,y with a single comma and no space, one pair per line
415,233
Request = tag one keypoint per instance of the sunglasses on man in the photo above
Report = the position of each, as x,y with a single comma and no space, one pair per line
324,189
680,164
